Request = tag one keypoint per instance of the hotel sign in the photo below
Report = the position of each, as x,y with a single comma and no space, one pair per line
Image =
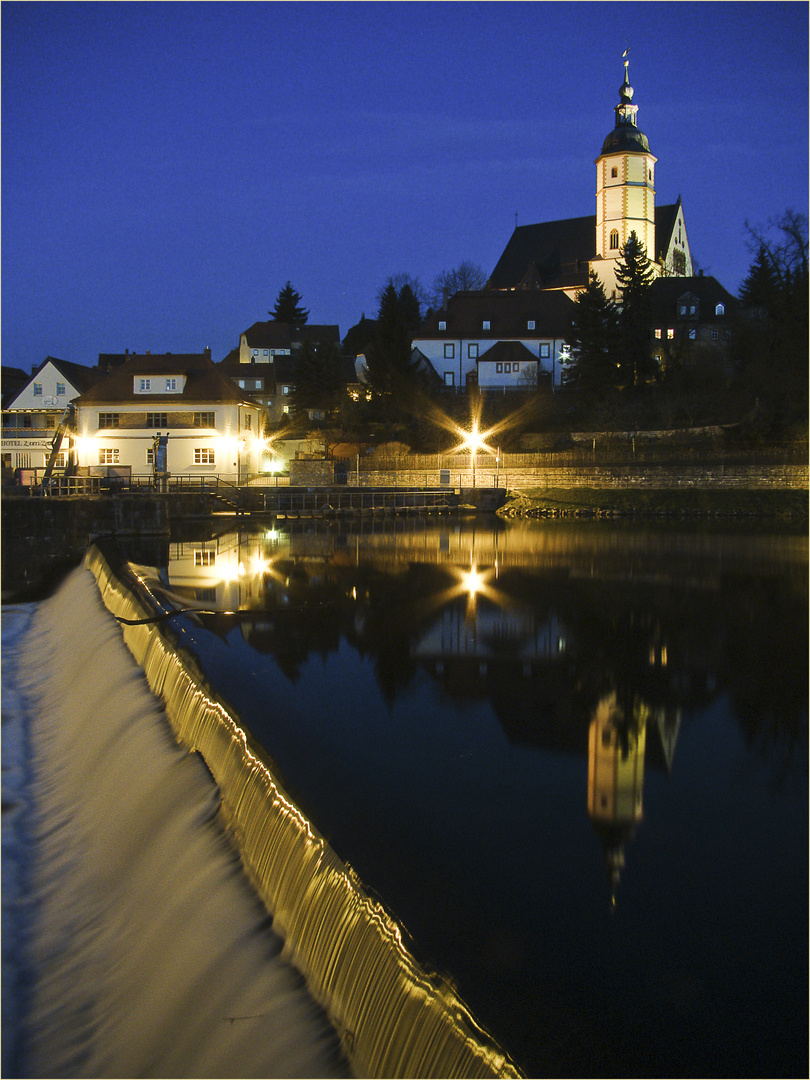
26,444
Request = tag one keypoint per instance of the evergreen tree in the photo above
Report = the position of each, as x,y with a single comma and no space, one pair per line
634,275
288,308
388,359
319,384
593,340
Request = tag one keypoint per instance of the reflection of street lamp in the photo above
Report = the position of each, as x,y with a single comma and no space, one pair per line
474,441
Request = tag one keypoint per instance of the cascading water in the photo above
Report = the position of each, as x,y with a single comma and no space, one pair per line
150,1001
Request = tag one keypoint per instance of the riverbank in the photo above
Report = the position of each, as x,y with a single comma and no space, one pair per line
693,502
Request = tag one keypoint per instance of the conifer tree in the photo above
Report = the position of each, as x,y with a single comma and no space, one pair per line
593,338
288,308
634,276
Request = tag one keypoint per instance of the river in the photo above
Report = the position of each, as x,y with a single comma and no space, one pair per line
569,757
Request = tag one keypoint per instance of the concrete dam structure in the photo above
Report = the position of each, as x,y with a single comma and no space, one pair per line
171,926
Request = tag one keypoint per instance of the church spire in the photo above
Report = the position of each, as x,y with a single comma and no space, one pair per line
626,111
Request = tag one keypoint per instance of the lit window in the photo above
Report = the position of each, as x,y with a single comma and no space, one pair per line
442,325
157,419
285,389
486,324
449,351
614,240
203,455
60,388
530,324
670,334
545,351
720,309
108,457
37,389
472,350
204,558
658,334
286,409
240,383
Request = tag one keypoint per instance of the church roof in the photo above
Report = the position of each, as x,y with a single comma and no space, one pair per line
555,254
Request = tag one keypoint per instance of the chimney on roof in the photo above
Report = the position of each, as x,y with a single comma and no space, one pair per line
148,353
207,352
700,273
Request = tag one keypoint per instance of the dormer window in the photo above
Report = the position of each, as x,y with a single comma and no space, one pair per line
171,384
720,309
530,324
486,324
442,325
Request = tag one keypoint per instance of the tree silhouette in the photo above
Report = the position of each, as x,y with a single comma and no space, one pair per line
288,308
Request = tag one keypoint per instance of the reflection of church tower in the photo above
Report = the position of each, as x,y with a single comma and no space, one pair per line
616,747
625,189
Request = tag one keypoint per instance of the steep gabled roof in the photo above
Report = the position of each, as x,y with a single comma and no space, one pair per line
555,254
204,381
279,335
508,314
79,376
509,351
665,292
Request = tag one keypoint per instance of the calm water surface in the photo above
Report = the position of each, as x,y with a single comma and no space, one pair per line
570,758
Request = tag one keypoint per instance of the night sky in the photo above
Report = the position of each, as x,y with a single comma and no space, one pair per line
167,167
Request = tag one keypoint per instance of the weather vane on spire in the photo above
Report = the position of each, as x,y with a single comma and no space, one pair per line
626,61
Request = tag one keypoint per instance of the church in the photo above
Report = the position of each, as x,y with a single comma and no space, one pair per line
512,333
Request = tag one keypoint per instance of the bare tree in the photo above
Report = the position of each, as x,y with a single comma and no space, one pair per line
467,275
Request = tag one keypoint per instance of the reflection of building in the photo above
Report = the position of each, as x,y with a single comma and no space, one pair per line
617,744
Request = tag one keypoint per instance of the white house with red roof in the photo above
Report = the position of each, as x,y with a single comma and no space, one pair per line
213,429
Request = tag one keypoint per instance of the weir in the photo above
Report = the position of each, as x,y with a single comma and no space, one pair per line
393,1017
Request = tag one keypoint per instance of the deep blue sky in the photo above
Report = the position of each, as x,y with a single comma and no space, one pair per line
167,167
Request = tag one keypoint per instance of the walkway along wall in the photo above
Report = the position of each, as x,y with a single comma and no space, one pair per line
393,1017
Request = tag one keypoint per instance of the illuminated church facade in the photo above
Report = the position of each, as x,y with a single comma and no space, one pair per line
512,333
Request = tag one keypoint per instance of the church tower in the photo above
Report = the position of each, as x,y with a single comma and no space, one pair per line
625,189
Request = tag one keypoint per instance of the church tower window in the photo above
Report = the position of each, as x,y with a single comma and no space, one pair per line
614,171
614,240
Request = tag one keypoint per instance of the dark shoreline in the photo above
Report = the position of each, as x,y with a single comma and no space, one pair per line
783,504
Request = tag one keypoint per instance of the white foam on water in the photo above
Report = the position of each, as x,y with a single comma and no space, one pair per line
148,952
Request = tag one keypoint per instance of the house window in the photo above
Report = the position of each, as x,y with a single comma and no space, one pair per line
204,558
499,369
507,369
449,378
530,324
285,389
693,309
720,309
681,309
692,334
171,384
265,352
60,460
203,455
108,457
204,419
248,420
255,352
442,324
614,240
449,352
157,419
150,456
714,335
50,423
37,389
472,351
109,419
670,334
285,409
614,171
545,351
658,335
486,324
144,384
60,388
23,459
